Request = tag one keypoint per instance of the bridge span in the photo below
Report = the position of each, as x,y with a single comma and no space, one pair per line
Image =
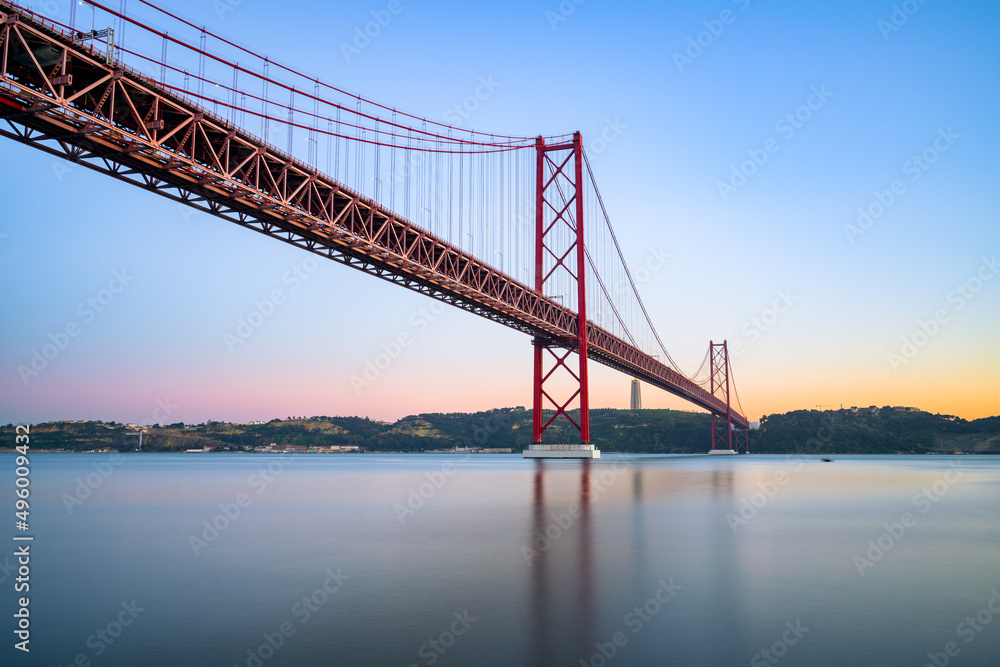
84,98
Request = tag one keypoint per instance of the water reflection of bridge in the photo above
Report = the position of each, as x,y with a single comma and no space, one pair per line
567,555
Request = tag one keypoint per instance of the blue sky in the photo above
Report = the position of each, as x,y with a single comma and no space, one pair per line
849,300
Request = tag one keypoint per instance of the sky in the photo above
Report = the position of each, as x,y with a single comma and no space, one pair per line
821,178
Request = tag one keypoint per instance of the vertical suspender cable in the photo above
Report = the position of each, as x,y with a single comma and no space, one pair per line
461,194
501,211
336,150
265,125
291,118
329,146
376,149
451,174
392,168
163,59
406,177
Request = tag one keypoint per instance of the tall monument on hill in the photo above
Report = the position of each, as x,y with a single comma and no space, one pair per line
636,402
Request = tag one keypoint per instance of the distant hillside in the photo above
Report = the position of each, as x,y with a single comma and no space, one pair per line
879,431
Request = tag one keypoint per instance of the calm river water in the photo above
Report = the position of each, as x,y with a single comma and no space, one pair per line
263,560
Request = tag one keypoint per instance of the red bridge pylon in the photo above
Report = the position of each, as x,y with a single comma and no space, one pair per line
723,432
560,261
722,425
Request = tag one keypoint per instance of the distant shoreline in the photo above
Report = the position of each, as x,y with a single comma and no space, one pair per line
871,430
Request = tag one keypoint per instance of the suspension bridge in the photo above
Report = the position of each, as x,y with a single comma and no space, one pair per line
510,228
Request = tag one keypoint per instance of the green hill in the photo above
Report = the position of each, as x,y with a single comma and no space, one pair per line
868,431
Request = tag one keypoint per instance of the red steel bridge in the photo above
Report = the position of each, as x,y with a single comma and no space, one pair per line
509,228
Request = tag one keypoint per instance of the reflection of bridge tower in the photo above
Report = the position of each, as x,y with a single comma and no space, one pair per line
541,600
636,401
550,599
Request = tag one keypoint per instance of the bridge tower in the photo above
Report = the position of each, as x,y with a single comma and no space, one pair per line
560,260
722,431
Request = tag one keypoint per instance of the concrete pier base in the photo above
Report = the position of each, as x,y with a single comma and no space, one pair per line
562,452
722,452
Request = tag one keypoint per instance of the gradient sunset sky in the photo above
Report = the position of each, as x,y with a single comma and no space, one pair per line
820,308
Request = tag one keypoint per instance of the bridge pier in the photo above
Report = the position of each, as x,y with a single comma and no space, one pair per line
540,451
